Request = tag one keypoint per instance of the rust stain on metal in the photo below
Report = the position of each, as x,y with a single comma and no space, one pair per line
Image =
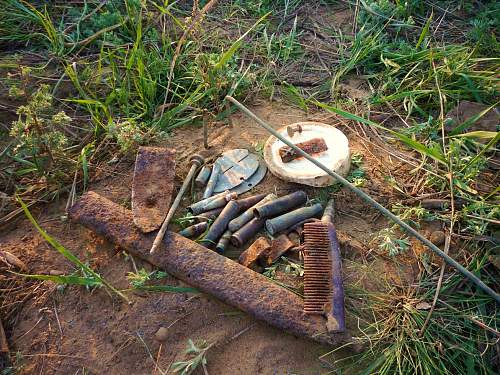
313,146
279,246
152,186
206,270
250,257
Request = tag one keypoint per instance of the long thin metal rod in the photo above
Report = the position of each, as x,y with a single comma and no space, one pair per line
452,262
173,208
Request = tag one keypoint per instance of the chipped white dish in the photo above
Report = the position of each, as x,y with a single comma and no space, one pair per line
302,171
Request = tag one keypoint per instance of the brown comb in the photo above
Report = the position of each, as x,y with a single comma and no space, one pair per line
323,288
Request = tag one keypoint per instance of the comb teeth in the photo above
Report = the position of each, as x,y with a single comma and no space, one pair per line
317,267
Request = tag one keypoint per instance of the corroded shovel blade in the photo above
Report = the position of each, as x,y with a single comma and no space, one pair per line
152,187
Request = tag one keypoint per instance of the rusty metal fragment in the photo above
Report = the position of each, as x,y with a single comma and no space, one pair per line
313,146
279,246
205,270
250,257
195,230
288,220
152,186
280,205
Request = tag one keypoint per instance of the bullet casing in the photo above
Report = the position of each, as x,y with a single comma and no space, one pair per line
212,181
223,242
246,203
238,222
194,231
280,205
211,203
202,178
289,219
220,224
247,231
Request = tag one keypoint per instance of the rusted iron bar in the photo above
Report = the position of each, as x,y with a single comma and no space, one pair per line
205,270
311,147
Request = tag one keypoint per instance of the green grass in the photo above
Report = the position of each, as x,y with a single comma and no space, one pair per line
109,66
458,339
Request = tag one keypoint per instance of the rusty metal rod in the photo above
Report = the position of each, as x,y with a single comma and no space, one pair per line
196,160
205,270
407,228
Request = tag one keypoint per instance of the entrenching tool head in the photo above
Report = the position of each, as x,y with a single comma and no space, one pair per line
152,186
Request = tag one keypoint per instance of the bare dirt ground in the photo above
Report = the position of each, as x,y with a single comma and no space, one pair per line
75,331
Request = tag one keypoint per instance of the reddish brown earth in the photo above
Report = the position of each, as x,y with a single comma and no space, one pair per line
74,331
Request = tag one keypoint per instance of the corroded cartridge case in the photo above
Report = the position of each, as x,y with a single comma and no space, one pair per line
289,219
250,201
203,176
246,216
194,231
212,181
223,242
211,203
246,232
220,224
280,205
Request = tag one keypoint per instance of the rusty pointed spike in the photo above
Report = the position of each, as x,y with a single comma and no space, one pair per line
205,270
152,187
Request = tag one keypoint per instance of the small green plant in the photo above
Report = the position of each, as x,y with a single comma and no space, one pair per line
39,138
139,279
90,278
390,243
287,266
196,356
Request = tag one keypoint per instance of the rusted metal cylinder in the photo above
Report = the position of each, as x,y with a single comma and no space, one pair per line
289,219
209,215
223,242
211,203
194,231
220,224
242,235
205,270
280,205
212,181
203,176
246,216
250,201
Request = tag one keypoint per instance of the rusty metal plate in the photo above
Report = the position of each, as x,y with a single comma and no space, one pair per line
152,186
236,166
